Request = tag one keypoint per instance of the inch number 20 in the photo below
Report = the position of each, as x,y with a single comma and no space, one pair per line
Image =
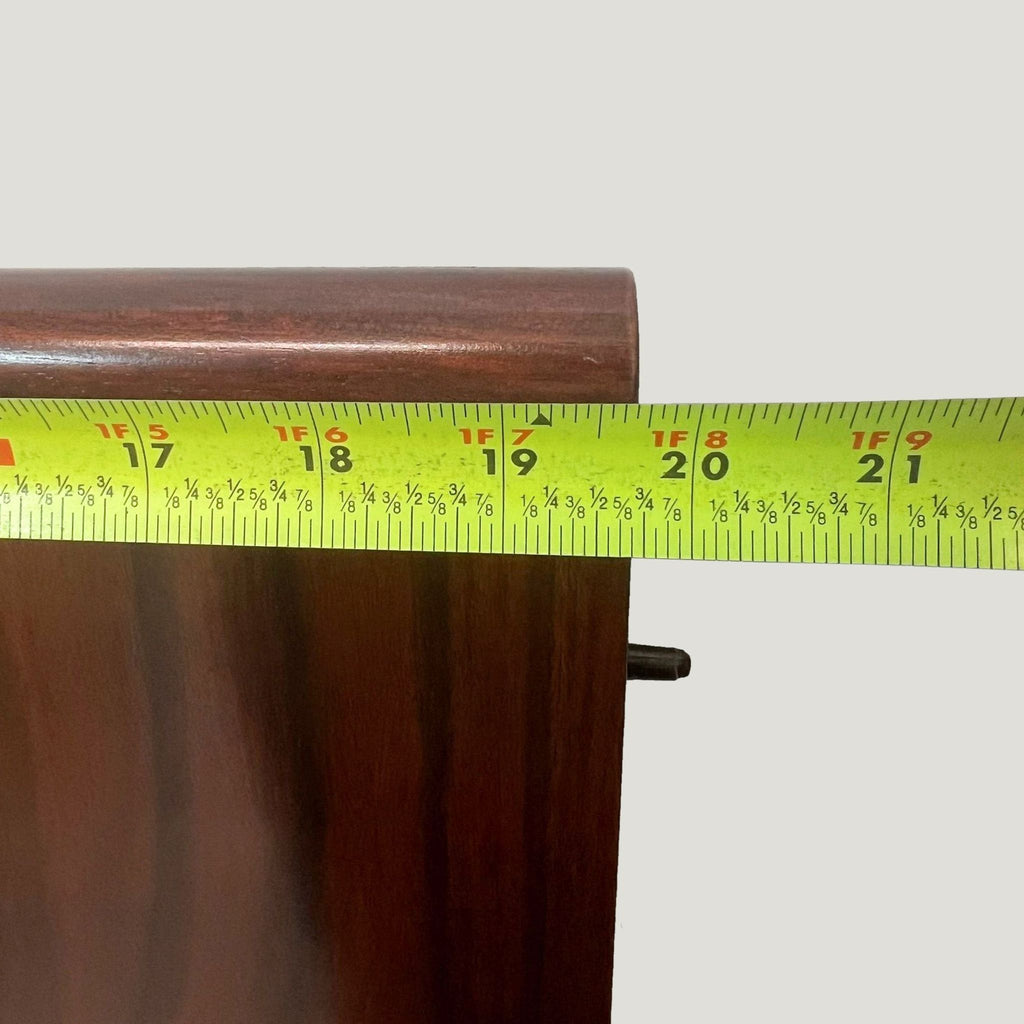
714,465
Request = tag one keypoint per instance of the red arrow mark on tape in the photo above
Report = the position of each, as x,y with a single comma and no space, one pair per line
6,454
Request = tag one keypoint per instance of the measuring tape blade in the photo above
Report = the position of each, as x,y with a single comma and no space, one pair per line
934,482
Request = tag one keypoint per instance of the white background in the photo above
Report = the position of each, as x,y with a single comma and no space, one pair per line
820,201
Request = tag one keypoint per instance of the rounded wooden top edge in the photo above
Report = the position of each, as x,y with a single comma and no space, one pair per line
398,334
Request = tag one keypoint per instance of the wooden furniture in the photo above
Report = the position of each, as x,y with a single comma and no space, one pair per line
274,786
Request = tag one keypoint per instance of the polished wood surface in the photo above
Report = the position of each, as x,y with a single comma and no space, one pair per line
355,335
307,786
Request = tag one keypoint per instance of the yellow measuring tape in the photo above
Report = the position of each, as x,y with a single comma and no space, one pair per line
937,483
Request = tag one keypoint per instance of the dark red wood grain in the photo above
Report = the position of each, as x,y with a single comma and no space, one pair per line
402,335
310,786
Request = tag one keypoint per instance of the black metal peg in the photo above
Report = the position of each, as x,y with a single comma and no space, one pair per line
646,662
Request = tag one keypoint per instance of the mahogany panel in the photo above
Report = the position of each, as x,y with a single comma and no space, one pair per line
356,335
273,786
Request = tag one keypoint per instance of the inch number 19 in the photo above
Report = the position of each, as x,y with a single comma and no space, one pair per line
524,459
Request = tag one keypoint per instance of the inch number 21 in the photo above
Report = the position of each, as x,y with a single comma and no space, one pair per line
875,464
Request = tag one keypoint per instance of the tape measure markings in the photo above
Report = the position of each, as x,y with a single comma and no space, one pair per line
924,482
